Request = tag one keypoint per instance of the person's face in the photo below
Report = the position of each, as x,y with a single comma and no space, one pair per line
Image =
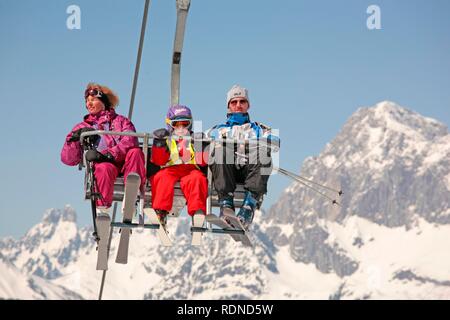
94,105
239,104
180,128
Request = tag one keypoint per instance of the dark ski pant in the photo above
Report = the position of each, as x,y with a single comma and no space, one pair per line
228,170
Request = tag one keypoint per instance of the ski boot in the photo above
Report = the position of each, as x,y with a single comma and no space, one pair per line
103,211
103,220
226,208
247,210
198,219
162,217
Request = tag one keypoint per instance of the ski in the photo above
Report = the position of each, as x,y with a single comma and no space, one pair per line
182,12
132,184
161,231
103,224
197,222
215,220
236,223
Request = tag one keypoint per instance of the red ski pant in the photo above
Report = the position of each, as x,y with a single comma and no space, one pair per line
192,182
106,173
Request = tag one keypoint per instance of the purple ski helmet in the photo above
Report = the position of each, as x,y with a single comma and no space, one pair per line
178,112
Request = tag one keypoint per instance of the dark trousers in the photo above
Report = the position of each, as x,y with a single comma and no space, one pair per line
228,169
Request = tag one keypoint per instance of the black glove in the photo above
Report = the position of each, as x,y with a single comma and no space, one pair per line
95,156
77,133
87,140
160,136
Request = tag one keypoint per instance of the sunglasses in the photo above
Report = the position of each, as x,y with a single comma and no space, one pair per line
180,122
93,92
241,101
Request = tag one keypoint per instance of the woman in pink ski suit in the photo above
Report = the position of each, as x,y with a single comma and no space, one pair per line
113,154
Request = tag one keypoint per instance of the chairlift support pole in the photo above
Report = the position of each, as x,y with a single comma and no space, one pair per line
138,59
182,12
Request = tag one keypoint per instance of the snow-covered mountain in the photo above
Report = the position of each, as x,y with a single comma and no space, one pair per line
388,240
14,284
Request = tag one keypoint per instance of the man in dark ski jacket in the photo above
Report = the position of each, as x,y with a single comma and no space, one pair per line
245,159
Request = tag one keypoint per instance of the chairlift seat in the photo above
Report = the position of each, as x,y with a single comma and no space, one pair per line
179,200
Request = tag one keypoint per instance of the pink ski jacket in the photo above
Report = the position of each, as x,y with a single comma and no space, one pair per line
117,146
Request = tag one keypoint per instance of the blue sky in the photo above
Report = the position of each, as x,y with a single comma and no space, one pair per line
307,64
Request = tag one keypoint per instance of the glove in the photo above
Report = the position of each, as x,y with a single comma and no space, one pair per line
89,140
77,133
160,136
95,156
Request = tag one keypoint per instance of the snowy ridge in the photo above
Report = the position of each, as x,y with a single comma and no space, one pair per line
16,285
389,240
49,245
387,159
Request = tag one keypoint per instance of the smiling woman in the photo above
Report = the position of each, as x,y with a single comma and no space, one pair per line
112,155
99,98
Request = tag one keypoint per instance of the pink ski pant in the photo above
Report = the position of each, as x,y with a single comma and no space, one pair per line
106,173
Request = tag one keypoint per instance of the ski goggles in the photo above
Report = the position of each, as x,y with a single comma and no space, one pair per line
241,101
93,92
185,122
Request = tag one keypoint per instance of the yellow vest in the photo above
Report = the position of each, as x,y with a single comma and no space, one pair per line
175,154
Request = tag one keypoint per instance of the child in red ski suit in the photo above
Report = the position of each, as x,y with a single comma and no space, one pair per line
179,162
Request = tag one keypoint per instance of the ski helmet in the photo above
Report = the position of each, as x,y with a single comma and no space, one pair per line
178,112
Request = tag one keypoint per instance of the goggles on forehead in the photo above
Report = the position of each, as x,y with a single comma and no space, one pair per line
185,122
93,92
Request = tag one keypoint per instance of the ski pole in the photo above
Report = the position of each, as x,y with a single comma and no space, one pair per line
89,145
281,170
93,205
287,173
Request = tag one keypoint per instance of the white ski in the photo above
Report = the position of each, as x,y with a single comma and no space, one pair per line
132,184
103,224
236,223
215,220
197,222
161,231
